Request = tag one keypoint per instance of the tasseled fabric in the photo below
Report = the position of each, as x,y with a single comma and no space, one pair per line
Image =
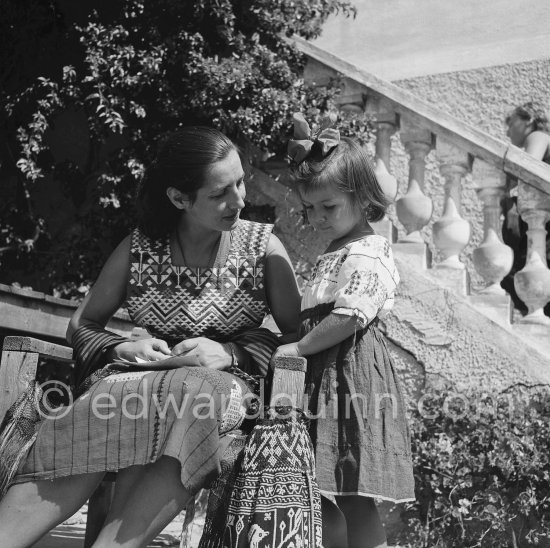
18,432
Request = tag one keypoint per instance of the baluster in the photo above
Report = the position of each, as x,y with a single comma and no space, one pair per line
532,282
354,99
414,209
492,258
386,126
386,122
451,233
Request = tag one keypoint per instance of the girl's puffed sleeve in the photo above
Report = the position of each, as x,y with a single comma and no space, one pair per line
367,280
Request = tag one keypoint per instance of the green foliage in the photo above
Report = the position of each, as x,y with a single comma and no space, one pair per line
482,471
119,75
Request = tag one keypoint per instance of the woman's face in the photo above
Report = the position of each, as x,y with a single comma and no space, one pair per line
518,129
219,201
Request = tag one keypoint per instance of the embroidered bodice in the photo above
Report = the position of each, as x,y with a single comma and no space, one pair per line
360,279
174,302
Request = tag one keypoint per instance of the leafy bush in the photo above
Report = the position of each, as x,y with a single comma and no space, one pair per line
90,87
482,471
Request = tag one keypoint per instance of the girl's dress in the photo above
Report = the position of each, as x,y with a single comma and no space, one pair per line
136,417
358,427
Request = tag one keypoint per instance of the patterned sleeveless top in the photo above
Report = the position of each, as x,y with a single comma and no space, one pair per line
176,302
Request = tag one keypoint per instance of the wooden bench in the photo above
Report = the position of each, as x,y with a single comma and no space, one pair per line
18,366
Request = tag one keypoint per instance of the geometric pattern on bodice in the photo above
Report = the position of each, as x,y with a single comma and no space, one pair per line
177,302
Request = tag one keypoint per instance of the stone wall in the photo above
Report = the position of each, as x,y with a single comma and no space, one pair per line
481,97
484,96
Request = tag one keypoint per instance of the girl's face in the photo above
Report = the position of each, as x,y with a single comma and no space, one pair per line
331,211
518,130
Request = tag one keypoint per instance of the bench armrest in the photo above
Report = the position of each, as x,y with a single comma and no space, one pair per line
20,357
43,348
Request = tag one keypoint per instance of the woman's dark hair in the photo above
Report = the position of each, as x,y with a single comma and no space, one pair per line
183,160
348,167
532,112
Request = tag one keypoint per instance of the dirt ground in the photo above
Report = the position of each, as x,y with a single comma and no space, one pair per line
71,534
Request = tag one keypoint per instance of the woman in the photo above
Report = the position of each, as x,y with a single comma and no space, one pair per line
528,128
201,281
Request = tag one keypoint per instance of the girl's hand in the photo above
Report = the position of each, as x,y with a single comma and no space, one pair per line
146,349
205,352
287,350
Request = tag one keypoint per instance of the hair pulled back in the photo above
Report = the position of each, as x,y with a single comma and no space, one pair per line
350,169
183,161
532,112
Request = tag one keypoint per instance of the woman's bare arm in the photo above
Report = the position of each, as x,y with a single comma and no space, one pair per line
108,292
283,295
104,298
537,144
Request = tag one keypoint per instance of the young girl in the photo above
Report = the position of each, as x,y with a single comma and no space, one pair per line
358,425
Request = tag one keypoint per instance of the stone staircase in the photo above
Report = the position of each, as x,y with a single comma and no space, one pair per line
452,322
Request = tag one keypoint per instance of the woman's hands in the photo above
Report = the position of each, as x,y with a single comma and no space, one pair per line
206,352
200,351
146,349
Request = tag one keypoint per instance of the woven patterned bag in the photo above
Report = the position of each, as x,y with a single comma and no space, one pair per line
270,499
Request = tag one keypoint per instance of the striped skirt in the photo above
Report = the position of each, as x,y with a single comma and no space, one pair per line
136,417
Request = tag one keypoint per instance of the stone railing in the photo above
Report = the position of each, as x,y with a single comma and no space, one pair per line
461,150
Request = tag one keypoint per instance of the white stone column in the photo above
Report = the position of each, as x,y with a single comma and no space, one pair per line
492,258
387,123
385,127
414,209
532,282
353,98
451,233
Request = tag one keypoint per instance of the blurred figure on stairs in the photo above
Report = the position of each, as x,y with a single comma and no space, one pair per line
528,128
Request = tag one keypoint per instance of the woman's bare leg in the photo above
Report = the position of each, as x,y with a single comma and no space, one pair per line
144,504
29,510
365,530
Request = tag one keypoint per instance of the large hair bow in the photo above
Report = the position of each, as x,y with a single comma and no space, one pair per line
326,137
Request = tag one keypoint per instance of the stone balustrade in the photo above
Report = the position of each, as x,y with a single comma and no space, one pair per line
461,152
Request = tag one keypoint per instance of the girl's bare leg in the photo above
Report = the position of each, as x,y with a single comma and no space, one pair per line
365,529
334,525
29,510
147,500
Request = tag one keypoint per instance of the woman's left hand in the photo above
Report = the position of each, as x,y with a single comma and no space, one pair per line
206,352
290,349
